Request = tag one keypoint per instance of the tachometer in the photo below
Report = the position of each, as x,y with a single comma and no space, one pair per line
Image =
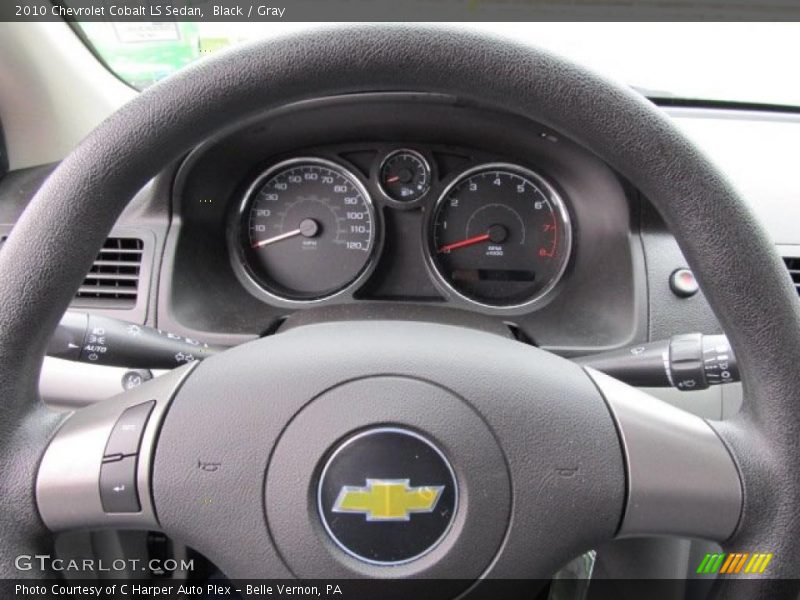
500,236
308,230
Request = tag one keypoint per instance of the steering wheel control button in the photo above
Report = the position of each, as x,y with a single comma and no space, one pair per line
126,436
118,486
387,496
135,378
683,284
686,361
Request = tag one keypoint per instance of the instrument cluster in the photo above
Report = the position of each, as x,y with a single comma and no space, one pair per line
309,229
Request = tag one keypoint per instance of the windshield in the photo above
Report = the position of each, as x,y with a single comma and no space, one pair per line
728,62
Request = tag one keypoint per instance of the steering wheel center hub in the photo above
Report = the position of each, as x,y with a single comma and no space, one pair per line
395,477
349,450
387,496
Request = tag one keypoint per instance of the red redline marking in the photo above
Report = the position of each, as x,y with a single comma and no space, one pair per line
464,243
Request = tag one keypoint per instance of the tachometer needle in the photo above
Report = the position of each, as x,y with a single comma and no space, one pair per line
308,228
464,243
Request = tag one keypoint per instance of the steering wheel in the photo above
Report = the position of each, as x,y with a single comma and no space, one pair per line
389,449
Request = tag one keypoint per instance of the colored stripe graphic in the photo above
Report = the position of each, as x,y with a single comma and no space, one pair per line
740,563
732,558
734,562
762,567
704,564
711,563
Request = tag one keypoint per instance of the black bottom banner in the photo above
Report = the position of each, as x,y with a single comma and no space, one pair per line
414,589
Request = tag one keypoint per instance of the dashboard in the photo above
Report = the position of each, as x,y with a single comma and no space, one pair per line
419,204
174,258
399,200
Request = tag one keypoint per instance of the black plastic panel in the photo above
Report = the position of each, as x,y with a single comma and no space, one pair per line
146,218
670,314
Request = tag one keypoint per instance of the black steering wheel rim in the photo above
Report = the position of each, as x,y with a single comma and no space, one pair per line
57,237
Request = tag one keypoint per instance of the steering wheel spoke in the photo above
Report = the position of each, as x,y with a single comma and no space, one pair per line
96,472
681,477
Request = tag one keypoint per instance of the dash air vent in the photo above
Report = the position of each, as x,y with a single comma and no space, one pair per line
793,265
113,280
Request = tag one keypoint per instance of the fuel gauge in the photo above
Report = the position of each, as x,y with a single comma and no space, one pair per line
405,176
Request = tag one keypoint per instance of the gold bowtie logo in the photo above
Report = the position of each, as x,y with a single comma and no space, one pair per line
387,499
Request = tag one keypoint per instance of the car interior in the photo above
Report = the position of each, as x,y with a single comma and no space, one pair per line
383,302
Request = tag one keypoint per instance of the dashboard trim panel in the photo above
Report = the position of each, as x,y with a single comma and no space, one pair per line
454,134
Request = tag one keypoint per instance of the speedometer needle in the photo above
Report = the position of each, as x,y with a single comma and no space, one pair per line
464,243
308,228
277,238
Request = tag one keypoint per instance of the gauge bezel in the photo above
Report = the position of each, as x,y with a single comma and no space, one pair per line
239,234
542,297
427,166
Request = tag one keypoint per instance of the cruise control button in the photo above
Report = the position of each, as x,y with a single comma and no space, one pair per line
118,486
126,436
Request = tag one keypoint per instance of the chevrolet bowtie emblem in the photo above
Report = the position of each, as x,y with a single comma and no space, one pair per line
387,499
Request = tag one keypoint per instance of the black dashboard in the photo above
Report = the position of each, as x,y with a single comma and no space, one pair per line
411,200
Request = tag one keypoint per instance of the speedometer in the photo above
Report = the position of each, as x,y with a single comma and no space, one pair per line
307,230
500,237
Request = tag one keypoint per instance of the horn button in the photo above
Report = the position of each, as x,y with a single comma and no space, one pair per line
387,496
399,475
429,417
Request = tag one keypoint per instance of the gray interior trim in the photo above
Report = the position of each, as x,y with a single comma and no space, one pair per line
757,150
681,477
53,92
68,483
65,385
789,250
